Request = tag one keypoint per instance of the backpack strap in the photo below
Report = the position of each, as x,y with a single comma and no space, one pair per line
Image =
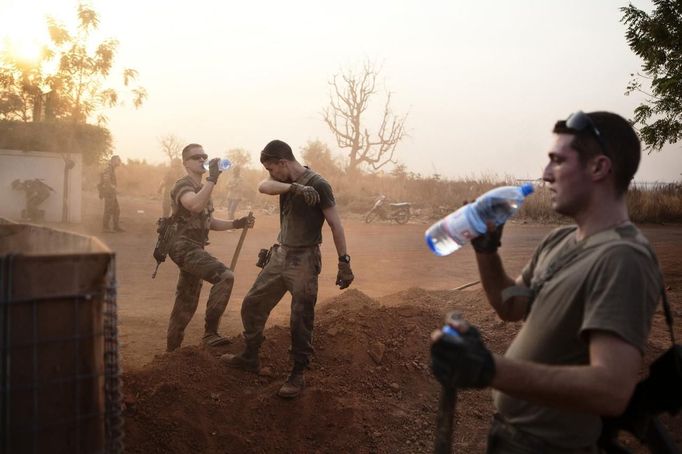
613,237
306,177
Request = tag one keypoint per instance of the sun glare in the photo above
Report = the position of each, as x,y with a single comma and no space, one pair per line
23,28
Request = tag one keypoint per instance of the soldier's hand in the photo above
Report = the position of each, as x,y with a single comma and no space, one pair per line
345,275
490,241
459,358
308,193
213,170
246,221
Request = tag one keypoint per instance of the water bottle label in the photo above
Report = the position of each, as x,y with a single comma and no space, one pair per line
460,229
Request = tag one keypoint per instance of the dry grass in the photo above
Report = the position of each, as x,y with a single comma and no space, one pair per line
431,197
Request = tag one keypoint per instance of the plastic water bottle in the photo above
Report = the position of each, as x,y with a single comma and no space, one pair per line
458,228
223,164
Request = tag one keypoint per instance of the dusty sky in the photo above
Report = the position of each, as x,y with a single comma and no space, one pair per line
483,82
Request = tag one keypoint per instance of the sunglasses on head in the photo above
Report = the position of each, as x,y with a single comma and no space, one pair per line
580,122
197,157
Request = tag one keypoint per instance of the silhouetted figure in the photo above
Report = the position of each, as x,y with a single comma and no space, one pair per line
36,193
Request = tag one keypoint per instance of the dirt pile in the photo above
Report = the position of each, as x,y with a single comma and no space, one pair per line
369,388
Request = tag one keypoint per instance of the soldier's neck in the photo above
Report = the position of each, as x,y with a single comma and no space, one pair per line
195,177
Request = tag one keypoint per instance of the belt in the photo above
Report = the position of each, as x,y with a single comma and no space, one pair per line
297,248
514,434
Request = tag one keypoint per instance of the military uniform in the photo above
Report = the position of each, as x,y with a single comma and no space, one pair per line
294,266
195,265
107,191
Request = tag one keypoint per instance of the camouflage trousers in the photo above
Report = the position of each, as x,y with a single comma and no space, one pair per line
294,270
197,265
111,211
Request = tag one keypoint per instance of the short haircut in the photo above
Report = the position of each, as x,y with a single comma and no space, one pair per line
621,143
276,150
187,149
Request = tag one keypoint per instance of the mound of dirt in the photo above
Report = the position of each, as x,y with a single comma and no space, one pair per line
369,388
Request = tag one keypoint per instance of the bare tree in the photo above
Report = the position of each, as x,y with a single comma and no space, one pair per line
349,98
171,146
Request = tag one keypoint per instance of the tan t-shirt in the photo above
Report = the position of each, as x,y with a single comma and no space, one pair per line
608,287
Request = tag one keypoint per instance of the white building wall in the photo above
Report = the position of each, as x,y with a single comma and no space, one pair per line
49,167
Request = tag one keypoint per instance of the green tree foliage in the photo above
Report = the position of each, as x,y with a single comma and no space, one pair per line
657,39
77,91
93,142
239,157
319,157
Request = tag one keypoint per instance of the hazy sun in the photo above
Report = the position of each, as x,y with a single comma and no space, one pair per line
23,26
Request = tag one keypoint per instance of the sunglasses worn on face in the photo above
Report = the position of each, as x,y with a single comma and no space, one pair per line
197,157
580,122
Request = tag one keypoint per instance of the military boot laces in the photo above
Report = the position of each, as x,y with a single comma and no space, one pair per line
293,386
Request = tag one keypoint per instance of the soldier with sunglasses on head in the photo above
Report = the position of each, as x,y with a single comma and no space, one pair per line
193,210
586,299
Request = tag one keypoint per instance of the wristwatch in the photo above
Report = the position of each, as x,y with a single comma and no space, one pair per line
344,258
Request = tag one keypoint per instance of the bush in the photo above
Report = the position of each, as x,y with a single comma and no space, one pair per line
93,142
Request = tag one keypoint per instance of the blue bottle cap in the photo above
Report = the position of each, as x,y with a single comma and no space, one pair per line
527,188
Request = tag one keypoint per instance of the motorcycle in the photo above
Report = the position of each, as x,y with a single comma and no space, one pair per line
398,212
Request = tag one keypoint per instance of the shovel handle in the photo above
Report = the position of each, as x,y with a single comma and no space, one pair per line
238,249
445,421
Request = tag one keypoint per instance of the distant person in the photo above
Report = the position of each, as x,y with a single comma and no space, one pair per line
192,205
306,200
37,191
235,191
108,192
586,298
170,177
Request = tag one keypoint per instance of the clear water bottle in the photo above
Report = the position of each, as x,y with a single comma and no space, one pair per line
223,164
458,228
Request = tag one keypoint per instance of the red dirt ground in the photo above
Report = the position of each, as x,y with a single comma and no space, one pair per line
369,389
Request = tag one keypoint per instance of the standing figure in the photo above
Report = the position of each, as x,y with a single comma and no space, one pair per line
305,202
107,191
586,299
169,179
193,210
234,192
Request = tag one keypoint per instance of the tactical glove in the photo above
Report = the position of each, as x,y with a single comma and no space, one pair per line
246,221
489,241
308,193
462,361
345,276
213,170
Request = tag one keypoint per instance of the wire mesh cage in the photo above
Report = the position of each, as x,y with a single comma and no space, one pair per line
59,370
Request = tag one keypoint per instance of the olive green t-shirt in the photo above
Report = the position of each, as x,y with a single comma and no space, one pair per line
300,224
609,287
193,226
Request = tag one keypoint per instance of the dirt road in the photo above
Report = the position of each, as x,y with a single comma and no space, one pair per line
188,402
386,258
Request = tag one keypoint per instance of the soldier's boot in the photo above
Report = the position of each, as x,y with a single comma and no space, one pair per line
213,339
294,385
248,360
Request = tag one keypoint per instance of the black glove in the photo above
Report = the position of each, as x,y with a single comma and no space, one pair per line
308,193
462,361
246,221
345,275
489,241
213,170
